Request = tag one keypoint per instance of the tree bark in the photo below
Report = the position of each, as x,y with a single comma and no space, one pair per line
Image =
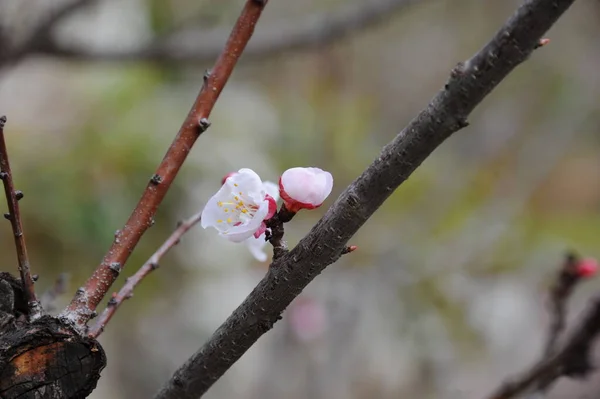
44,359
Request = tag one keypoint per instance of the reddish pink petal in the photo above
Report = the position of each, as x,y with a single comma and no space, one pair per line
272,207
227,176
587,268
261,229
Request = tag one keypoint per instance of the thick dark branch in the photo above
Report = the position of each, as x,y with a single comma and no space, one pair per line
14,215
40,36
151,264
83,306
202,46
447,113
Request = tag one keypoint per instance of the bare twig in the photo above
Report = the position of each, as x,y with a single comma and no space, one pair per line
83,306
202,46
151,264
447,113
276,230
14,215
571,359
560,292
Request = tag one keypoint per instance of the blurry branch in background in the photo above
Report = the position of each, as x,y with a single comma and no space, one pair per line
205,45
14,216
565,283
151,264
40,36
83,306
447,113
572,357
60,287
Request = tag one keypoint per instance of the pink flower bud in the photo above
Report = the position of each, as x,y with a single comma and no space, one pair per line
304,188
587,268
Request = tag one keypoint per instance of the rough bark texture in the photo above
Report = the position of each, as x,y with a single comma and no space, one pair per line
45,359
447,113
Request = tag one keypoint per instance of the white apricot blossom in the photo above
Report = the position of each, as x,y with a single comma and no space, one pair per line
256,245
304,188
238,210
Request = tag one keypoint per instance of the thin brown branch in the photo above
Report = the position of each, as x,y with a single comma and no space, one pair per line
447,113
14,216
201,45
151,264
87,298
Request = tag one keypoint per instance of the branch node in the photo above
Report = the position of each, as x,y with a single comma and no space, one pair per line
2,121
3,176
206,75
542,42
35,277
112,302
154,265
115,267
7,216
349,249
156,180
203,124
19,195
462,123
458,70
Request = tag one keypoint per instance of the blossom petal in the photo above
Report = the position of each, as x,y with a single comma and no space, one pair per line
271,189
305,187
256,247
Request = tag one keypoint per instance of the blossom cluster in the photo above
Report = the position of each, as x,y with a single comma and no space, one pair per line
239,210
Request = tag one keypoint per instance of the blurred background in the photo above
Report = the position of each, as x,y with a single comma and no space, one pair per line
445,296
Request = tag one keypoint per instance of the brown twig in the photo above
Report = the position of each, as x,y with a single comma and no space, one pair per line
201,45
560,292
151,264
14,215
571,359
447,113
87,298
276,231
